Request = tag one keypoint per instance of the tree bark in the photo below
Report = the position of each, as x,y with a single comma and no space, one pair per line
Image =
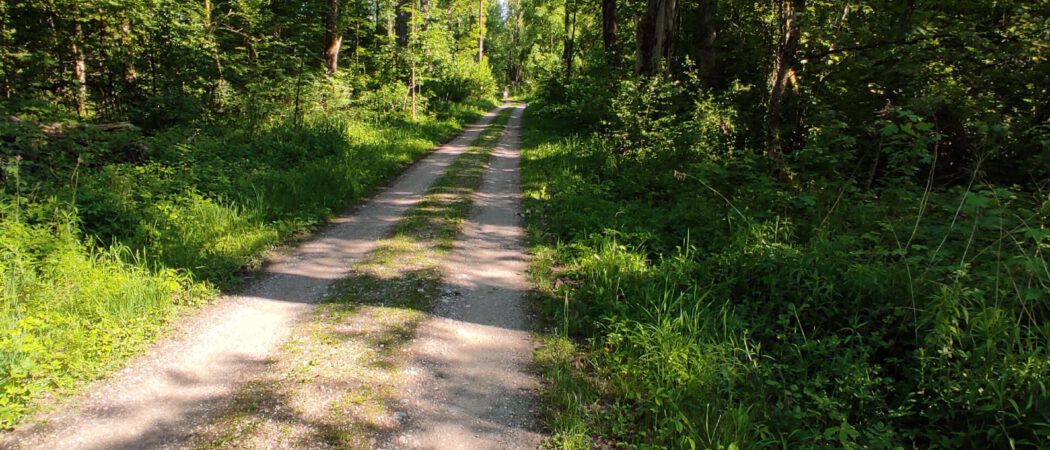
380,24
481,29
413,87
213,47
333,37
568,52
131,74
609,37
80,72
401,20
783,77
707,55
656,34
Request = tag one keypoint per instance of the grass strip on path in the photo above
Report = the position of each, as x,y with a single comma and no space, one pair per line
333,383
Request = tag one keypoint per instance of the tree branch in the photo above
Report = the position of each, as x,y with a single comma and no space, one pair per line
870,46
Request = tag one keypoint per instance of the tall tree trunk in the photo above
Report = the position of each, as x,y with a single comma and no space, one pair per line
568,53
380,29
609,31
707,56
131,74
404,15
656,34
213,47
412,77
80,72
783,78
481,29
906,18
333,37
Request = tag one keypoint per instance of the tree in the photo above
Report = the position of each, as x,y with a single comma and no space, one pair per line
570,37
609,38
80,70
333,37
707,49
481,29
656,36
783,77
401,22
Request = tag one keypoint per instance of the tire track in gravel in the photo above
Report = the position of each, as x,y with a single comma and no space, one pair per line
332,383
160,398
471,387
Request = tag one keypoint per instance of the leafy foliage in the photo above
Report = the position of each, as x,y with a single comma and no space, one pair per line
712,306
153,150
796,223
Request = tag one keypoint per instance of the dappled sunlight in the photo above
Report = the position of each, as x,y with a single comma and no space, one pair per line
335,381
162,399
472,388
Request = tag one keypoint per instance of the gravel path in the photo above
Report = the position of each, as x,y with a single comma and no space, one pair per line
161,397
471,388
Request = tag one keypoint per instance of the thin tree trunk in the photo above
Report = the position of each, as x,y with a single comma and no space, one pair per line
380,29
707,56
481,29
401,19
131,74
906,19
80,72
412,81
609,37
783,77
568,53
656,34
333,37
209,30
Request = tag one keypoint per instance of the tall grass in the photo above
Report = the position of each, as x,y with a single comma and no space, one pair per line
102,253
69,312
707,307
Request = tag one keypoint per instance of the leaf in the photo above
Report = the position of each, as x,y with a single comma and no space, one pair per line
975,201
1038,234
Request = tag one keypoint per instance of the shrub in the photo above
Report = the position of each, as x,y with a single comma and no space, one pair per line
714,307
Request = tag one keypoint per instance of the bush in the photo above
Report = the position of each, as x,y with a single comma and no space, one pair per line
713,307
71,311
462,80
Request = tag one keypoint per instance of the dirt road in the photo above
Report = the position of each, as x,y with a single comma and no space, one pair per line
472,389
162,397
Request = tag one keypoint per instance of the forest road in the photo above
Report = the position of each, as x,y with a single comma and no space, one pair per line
161,397
471,388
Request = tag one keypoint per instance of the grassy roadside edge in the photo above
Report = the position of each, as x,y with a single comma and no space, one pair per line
40,383
310,398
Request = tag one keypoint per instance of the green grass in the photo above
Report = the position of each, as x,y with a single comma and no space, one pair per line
693,302
310,398
98,254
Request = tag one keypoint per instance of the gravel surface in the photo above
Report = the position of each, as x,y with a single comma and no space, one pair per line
159,399
469,383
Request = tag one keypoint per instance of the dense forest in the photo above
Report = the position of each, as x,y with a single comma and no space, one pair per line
786,223
791,223
152,150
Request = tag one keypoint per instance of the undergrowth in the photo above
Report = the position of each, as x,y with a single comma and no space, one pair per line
107,233
691,301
